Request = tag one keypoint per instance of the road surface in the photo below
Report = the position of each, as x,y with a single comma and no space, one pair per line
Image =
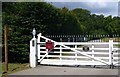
55,70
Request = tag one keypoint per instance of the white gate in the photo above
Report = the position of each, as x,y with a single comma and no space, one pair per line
72,53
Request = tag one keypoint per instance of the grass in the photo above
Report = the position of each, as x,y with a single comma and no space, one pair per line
114,39
118,45
14,67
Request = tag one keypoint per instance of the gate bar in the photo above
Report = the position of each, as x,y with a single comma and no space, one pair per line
56,43
45,55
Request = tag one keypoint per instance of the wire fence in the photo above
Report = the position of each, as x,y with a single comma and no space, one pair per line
84,38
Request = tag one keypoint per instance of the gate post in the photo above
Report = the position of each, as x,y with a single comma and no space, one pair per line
33,51
111,53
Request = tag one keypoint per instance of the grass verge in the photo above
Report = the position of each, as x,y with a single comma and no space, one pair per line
14,67
114,39
118,45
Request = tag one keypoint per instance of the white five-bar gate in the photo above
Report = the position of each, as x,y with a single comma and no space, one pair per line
72,53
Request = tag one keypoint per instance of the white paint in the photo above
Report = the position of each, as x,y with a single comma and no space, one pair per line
33,55
110,51
77,57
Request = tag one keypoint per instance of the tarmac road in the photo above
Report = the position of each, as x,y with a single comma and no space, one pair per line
55,70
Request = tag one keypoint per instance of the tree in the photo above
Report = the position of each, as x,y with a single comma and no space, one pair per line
23,17
113,26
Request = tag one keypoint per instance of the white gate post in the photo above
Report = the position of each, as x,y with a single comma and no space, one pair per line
33,51
110,51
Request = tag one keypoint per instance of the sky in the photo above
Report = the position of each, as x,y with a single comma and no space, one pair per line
98,7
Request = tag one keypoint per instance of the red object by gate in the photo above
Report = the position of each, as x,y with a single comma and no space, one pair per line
49,45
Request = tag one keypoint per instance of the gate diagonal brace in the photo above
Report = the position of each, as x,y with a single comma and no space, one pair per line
45,55
78,52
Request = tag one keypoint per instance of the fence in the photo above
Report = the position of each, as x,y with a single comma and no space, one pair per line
84,38
102,50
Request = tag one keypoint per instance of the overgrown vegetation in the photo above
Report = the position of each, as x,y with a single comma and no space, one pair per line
22,17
